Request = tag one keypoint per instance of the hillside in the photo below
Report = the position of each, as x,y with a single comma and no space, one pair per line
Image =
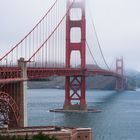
133,78
94,82
97,82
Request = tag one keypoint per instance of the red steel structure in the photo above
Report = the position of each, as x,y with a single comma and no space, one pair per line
12,96
75,85
120,70
13,79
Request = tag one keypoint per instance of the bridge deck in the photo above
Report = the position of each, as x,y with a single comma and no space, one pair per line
12,74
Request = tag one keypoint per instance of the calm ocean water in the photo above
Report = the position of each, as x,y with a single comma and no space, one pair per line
119,119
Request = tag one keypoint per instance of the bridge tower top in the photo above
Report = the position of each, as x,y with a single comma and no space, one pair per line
120,66
71,26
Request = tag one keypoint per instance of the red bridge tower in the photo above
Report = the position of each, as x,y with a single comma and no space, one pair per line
120,70
75,85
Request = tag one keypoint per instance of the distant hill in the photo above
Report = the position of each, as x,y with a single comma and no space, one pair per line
90,66
96,82
133,78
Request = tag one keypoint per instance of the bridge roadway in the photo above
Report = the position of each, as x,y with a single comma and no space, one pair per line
13,74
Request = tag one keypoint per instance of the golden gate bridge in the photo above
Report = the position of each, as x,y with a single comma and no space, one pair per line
58,45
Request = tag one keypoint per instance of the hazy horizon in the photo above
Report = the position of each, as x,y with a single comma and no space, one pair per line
117,25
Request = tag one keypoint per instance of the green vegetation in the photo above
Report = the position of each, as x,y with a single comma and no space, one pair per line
133,81
40,136
41,79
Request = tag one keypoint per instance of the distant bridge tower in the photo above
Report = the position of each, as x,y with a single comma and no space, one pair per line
75,85
120,82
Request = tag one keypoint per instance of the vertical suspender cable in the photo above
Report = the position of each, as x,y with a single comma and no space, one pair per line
98,40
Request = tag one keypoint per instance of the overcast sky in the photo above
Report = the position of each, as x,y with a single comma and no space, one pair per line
117,23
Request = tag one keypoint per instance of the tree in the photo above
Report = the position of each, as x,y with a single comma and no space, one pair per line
39,136
42,136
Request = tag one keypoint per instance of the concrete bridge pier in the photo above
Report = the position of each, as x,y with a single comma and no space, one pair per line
23,93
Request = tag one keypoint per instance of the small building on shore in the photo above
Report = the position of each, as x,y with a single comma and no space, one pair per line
62,133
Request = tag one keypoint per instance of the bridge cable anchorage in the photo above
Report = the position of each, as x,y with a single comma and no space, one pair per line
55,29
98,40
93,58
20,42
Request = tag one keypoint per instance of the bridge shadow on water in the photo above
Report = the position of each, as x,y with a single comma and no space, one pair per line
85,119
102,122
106,100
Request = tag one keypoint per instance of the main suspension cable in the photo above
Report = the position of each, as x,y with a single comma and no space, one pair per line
55,29
29,32
91,54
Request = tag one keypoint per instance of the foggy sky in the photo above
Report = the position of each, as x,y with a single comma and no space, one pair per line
117,23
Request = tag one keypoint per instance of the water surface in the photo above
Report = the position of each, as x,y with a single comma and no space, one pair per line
119,119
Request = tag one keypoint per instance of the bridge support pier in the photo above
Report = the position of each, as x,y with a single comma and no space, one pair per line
120,85
23,93
75,93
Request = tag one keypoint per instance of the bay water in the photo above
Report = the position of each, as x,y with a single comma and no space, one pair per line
118,120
